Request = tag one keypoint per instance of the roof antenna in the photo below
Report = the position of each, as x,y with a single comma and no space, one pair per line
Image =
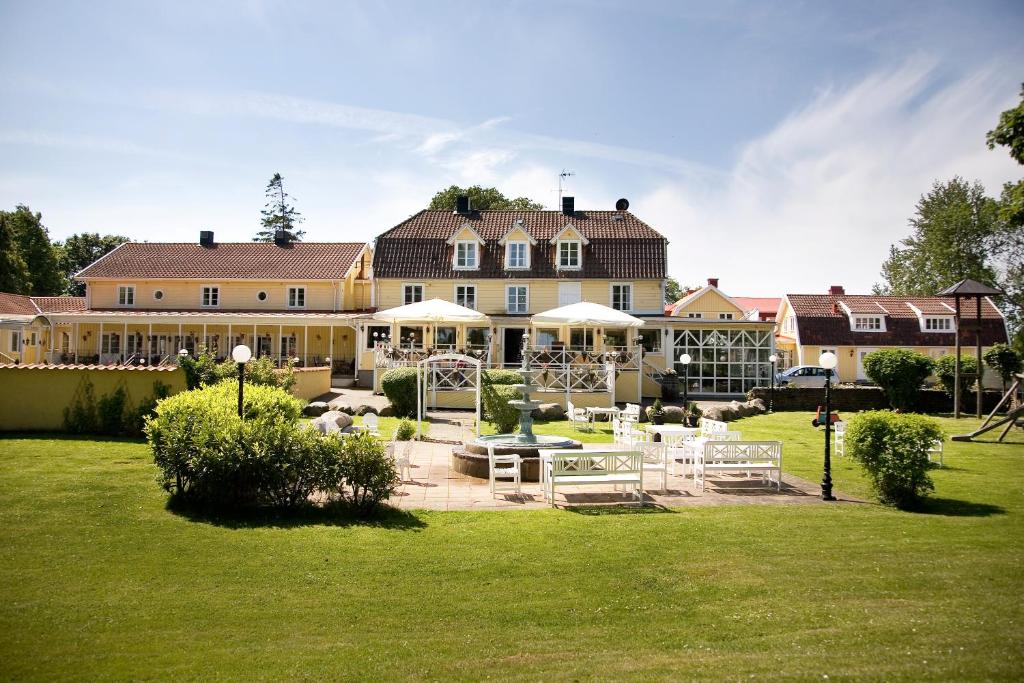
561,177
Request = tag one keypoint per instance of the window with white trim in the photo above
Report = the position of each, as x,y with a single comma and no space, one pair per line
110,343
940,324
377,334
517,298
211,297
126,295
725,316
15,342
867,323
517,255
465,295
694,314
466,254
622,297
789,324
412,293
296,297
568,254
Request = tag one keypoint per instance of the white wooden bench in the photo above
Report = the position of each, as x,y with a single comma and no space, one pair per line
764,457
576,468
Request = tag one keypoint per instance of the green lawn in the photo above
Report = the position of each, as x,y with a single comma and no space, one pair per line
99,579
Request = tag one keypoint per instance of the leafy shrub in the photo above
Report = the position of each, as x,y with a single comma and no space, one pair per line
900,373
405,431
81,417
1004,360
111,410
259,371
206,453
495,400
501,377
367,473
945,370
399,385
200,369
893,448
135,421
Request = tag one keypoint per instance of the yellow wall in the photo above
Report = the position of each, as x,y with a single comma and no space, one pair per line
187,294
543,294
33,399
848,359
710,304
311,383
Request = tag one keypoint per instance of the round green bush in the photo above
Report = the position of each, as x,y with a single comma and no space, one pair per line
945,370
367,473
405,431
495,400
501,377
893,448
900,373
399,385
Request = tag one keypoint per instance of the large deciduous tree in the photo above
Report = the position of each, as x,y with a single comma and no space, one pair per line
278,214
13,271
32,241
951,239
482,198
78,251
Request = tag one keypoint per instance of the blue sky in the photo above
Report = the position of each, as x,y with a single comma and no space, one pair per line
753,136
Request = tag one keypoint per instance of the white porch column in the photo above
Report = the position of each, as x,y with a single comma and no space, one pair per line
149,343
280,342
330,343
181,341
124,343
77,330
231,341
204,337
255,343
99,341
305,345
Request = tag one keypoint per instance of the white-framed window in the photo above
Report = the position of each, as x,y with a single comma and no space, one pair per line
377,334
694,314
133,344
296,297
517,255
940,324
126,295
622,296
868,323
465,295
211,296
466,255
110,343
789,324
517,298
725,316
15,342
412,293
568,254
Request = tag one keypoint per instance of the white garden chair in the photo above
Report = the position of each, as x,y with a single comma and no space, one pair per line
936,450
576,416
371,424
655,456
839,429
632,412
401,451
505,467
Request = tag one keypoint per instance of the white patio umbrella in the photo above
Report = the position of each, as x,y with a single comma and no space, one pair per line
587,314
430,311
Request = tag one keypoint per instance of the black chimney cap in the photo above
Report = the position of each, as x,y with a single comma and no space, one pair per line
206,238
281,238
462,205
622,204
568,205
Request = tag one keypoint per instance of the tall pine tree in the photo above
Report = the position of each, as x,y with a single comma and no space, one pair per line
278,214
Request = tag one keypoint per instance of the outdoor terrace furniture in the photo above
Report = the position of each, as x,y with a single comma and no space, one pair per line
936,450
575,468
689,448
371,424
576,416
656,460
764,457
507,467
593,412
839,429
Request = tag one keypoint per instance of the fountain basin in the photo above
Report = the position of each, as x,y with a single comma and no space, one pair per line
471,459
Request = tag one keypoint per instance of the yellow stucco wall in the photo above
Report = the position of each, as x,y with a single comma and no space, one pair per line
543,294
848,357
33,399
710,304
311,383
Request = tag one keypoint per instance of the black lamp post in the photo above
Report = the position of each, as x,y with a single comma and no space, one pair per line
241,355
685,360
828,360
771,392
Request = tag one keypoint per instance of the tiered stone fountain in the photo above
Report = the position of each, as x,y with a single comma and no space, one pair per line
472,460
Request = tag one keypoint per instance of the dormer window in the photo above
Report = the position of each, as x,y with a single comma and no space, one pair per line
937,324
517,255
568,254
868,323
466,254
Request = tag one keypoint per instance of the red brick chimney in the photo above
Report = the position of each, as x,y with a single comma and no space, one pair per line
713,281
836,290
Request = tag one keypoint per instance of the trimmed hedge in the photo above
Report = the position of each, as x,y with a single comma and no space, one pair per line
399,385
900,373
893,448
495,394
945,370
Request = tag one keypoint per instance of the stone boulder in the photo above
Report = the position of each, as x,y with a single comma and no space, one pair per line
364,409
387,411
348,410
674,415
340,419
713,413
548,411
315,409
758,405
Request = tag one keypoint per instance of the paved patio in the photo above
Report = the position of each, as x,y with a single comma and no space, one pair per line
435,486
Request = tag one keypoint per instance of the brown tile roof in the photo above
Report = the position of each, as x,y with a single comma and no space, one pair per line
621,245
822,320
227,260
59,304
17,304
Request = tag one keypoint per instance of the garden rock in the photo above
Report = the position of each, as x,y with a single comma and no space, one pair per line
674,414
340,419
387,411
548,411
315,409
759,405
364,409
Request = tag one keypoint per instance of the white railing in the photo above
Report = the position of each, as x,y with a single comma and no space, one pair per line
4,358
592,377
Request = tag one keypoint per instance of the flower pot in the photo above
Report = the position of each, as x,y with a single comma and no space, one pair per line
658,418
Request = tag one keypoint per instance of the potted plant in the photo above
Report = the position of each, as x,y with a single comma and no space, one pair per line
657,413
670,385
693,414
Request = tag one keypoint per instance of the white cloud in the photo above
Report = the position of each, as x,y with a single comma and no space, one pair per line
819,199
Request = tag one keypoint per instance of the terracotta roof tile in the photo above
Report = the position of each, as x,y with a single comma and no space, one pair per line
59,304
621,245
17,304
228,260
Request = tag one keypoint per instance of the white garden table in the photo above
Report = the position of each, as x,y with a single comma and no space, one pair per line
593,412
674,436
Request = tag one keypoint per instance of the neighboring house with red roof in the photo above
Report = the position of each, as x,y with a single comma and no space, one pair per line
24,326
854,325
